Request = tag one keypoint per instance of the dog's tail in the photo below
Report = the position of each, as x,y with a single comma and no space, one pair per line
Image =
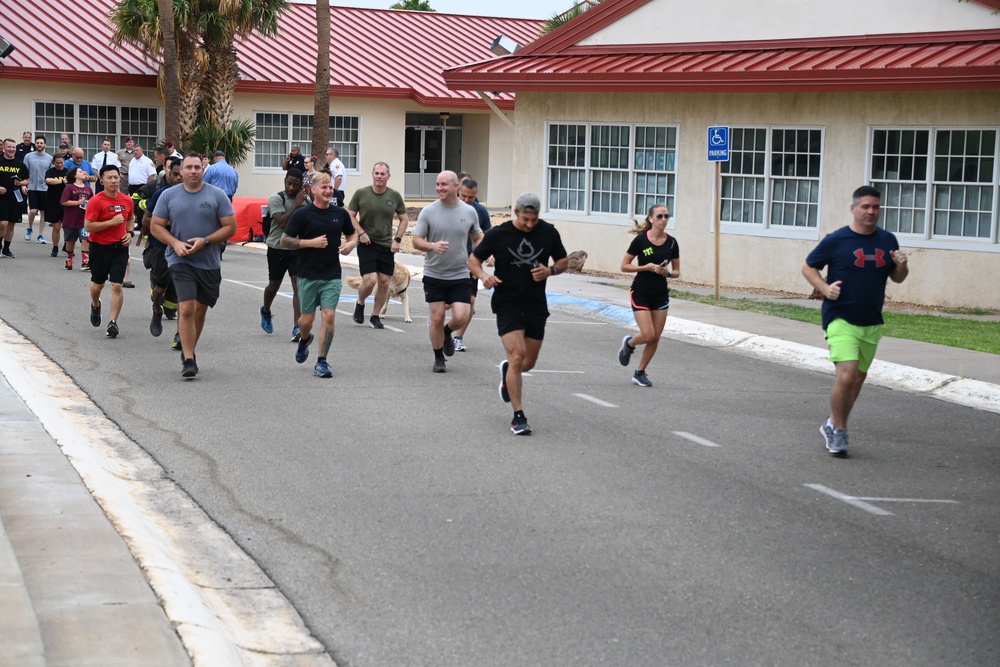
354,281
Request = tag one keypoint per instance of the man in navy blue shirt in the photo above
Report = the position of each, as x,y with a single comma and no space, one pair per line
860,258
222,175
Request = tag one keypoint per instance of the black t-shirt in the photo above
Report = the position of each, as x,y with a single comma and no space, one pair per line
297,162
310,222
645,252
10,170
515,253
54,193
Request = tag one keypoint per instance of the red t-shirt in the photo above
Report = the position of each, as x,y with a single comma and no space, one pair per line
102,208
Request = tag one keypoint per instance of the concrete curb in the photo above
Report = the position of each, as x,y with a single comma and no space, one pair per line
225,609
951,388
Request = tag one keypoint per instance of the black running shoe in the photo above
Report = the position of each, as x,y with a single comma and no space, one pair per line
625,351
439,366
520,426
156,325
189,368
95,315
55,252
112,329
449,344
375,322
176,345
503,382
359,313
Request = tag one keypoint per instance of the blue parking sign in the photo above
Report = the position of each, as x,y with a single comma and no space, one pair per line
718,143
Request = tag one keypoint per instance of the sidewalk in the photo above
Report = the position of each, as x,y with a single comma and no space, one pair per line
72,593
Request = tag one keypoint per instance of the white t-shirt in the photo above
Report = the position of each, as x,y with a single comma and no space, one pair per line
337,169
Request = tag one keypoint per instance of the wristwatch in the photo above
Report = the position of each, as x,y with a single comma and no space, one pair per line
398,239
207,242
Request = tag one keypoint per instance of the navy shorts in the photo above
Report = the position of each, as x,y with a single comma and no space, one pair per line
36,199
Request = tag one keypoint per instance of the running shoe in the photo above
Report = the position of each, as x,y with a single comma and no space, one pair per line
7,253
322,369
27,234
40,240
302,353
265,322
112,329
503,382
439,366
156,325
519,426
460,345
95,315
296,336
189,368
625,351
359,313
375,322
826,430
639,378
170,313
838,447
449,344
55,251
128,284
69,265
176,344
85,266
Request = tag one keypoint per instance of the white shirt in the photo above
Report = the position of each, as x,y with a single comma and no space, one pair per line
140,169
337,169
98,160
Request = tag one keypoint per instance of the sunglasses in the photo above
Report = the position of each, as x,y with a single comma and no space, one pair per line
661,216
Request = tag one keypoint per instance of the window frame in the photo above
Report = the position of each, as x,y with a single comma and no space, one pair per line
766,227
579,180
117,137
299,134
928,238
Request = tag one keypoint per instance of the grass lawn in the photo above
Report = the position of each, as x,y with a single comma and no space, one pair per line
952,331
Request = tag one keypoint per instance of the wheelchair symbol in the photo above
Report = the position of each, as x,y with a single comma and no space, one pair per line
718,136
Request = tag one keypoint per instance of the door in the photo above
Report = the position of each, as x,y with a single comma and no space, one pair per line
423,157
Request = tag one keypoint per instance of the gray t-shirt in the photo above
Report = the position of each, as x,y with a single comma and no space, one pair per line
453,224
194,215
37,166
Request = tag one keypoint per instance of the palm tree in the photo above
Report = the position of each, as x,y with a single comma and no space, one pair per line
170,82
136,24
562,18
321,106
221,24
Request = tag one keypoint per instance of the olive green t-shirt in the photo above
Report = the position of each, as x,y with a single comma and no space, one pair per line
376,211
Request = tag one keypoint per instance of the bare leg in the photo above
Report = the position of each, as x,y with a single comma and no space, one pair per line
846,388
522,353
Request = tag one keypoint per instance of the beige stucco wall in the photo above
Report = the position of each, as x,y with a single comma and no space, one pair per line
938,276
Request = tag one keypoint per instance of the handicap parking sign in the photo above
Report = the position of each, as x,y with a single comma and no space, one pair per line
718,143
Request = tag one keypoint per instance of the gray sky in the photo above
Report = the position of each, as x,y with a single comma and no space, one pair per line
522,9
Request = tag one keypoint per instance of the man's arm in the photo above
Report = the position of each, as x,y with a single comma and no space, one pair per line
226,231
96,226
902,269
281,219
829,291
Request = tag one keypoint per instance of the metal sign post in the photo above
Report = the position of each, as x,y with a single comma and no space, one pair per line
718,152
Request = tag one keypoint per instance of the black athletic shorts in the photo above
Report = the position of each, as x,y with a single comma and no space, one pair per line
194,284
532,322
659,300
448,291
154,258
36,199
108,262
280,262
10,209
375,258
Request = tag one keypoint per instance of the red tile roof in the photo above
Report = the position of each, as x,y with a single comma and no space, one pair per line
926,61
373,52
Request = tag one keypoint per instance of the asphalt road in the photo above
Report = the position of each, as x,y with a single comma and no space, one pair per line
694,523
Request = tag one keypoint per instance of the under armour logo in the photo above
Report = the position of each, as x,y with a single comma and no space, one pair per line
878,257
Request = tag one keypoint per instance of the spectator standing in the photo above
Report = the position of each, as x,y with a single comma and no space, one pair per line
294,160
103,158
125,156
37,162
222,175
25,147
13,189
141,170
338,172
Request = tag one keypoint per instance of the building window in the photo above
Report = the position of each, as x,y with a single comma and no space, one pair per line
88,125
278,132
937,184
610,169
782,196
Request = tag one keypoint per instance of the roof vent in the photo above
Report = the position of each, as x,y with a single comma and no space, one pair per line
6,48
504,46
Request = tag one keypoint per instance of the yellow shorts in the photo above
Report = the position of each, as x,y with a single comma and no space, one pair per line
853,343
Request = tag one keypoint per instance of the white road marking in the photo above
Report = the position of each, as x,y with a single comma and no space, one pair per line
906,500
535,370
860,504
695,439
596,401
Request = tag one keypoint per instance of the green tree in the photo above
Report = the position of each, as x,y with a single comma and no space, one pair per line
413,5
562,18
